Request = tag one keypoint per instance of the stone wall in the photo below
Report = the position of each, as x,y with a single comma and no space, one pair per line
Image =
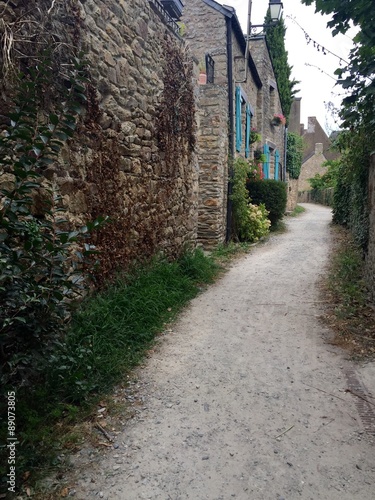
213,165
206,34
370,259
292,191
312,166
116,164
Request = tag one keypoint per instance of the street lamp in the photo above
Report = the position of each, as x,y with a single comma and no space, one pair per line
276,8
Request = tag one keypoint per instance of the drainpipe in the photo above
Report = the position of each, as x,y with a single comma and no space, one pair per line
231,127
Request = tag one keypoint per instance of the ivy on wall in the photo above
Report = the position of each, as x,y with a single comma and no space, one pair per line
176,120
294,155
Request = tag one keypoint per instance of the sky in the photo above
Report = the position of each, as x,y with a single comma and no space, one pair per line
311,67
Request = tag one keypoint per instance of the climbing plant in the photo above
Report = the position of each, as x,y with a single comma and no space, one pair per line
41,257
350,203
294,155
176,115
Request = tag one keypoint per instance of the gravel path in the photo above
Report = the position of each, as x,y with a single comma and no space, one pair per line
245,398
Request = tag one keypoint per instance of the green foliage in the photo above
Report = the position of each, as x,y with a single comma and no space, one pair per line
279,58
112,330
108,335
240,196
258,223
322,196
294,155
39,273
298,210
226,251
358,76
345,279
350,205
251,222
329,178
272,194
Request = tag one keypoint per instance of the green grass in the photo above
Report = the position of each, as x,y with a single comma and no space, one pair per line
297,211
346,280
108,336
229,250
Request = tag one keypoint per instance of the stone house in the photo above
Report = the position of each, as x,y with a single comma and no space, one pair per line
236,95
317,150
316,143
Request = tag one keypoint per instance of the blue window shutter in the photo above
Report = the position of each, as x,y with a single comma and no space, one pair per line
266,164
277,161
248,130
238,120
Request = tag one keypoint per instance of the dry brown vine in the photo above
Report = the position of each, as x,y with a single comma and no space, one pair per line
176,120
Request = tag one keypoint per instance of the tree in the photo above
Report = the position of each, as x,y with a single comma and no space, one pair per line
294,155
358,76
279,57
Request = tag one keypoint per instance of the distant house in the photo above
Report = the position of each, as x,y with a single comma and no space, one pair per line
317,150
236,94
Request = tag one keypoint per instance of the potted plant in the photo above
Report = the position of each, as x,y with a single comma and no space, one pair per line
278,119
254,136
259,156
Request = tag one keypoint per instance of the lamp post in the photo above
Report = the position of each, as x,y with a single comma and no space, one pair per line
275,8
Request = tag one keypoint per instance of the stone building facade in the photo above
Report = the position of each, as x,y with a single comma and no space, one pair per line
240,93
317,150
312,165
268,104
121,162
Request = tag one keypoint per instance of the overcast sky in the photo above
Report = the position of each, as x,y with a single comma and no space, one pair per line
311,67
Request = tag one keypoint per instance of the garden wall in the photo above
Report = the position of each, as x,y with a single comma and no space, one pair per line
132,157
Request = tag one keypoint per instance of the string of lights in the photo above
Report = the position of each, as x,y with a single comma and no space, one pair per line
319,47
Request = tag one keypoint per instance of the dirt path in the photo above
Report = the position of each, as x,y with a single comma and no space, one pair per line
245,398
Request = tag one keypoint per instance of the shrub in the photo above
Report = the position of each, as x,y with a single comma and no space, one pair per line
258,223
240,196
272,193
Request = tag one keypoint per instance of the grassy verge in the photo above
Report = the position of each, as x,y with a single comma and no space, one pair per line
110,334
349,314
297,211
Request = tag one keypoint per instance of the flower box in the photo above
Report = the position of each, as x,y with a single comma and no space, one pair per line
278,120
